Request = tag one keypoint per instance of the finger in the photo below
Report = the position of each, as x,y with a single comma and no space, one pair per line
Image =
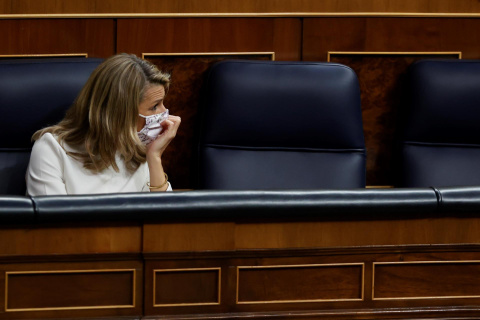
166,124
175,119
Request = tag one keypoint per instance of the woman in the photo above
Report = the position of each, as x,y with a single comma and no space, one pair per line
112,137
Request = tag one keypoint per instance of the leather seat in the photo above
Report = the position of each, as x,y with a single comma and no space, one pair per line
281,125
441,140
34,93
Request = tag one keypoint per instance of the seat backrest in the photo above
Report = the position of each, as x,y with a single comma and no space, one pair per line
441,129
34,93
281,125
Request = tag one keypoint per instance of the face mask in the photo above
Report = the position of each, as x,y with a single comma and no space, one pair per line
152,127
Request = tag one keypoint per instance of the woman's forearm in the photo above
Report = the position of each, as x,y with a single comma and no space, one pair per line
158,177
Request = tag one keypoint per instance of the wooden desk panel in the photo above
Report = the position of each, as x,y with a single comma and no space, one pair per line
96,37
69,239
315,269
42,290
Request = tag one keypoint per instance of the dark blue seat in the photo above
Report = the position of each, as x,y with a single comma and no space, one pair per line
441,139
34,93
281,125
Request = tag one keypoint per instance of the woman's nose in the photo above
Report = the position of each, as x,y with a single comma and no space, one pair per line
162,109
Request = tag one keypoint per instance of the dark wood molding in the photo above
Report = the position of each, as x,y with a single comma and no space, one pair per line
445,313
300,252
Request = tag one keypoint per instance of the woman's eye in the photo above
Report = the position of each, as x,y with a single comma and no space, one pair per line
154,107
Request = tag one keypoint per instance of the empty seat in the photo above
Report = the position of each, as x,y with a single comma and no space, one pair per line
281,125
441,131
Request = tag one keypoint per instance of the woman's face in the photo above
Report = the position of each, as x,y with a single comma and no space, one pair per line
152,104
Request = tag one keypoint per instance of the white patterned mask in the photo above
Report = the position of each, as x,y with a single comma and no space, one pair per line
152,127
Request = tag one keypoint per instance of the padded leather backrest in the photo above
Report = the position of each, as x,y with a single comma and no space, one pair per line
206,205
281,125
34,93
16,209
441,144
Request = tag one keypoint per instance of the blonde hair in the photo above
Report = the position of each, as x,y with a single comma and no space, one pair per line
103,119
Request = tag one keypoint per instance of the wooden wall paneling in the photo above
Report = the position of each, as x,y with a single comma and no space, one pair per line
282,36
390,35
187,48
96,37
49,6
71,289
232,6
5,7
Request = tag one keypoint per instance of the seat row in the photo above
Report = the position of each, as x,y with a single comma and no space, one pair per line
271,125
274,125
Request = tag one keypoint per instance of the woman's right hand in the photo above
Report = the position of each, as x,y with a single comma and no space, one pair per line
158,146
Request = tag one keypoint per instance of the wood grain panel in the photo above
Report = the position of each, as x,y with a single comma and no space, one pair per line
181,287
307,283
81,289
229,6
357,233
188,236
70,240
58,36
390,34
304,304
382,87
282,36
308,234
89,288
426,280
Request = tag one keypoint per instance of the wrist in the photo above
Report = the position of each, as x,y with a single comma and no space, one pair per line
162,187
154,158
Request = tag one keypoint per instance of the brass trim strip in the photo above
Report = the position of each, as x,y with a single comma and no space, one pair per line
7,273
300,266
420,262
380,187
219,288
186,54
243,15
385,53
53,55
